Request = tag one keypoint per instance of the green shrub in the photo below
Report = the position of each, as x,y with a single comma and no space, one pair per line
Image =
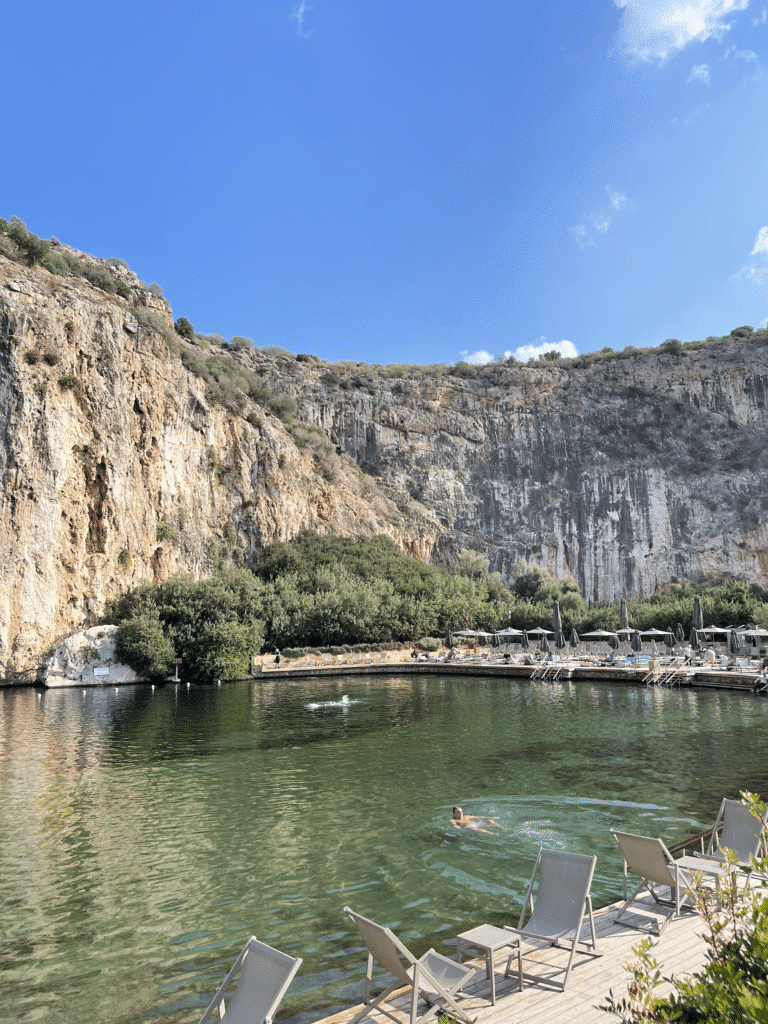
70,383
124,558
429,643
115,261
155,289
184,328
230,534
303,357
141,644
167,533
241,344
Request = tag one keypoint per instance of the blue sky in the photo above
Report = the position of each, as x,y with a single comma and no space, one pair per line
394,181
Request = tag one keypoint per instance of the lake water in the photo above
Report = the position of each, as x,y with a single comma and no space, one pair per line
146,834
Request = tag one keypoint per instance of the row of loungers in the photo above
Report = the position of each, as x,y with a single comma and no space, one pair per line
555,916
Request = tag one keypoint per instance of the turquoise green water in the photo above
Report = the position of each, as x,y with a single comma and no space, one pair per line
145,834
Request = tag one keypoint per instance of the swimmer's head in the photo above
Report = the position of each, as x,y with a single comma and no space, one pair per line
458,814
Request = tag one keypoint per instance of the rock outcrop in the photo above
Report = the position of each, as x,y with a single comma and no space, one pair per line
123,458
88,659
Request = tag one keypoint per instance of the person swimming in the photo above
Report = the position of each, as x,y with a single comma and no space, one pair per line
461,820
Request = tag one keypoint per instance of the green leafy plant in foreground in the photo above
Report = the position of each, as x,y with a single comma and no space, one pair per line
733,986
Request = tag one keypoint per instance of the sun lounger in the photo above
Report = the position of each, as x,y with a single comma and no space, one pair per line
433,977
652,862
561,900
264,976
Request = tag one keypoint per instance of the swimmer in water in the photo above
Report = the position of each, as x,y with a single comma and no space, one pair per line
461,820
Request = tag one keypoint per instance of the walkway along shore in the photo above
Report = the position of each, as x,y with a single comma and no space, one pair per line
699,676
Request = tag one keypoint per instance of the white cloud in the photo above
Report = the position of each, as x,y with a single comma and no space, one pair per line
299,15
530,353
762,19
756,269
746,55
617,200
699,73
523,354
653,30
760,248
479,358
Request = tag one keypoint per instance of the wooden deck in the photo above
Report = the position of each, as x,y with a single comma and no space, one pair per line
680,951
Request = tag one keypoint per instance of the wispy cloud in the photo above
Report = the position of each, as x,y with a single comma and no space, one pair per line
746,55
699,73
760,248
299,17
597,222
652,31
756,269
692,114
761,19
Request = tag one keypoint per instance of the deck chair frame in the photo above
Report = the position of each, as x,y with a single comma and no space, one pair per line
265,974
437,978
557,914
737,829
651,861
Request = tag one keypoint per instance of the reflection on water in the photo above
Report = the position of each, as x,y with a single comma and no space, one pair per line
147,833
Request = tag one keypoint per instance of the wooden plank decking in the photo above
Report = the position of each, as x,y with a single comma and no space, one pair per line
680,950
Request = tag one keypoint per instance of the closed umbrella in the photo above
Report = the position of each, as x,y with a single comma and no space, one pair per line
698,617
524,641
557,623
694,639
669,639
613,641
623,617
734,642
637,642
544,645
560,640
680,633
449,641
574,638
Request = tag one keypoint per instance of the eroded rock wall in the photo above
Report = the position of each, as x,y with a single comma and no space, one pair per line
118,465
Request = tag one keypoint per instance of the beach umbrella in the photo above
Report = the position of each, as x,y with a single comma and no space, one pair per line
524,641
557,622
623,617
496,640
680,633
734,642
597,634
669,639
449,641
539,631
613,641
560,640
694,640
637,642
544,645
653,634
697,620
574,638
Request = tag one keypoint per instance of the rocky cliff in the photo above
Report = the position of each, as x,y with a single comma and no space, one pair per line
128,453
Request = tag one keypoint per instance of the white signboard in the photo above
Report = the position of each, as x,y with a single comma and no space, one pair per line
101,671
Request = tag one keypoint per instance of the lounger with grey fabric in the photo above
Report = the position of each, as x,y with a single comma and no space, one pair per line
652,862
265,974
557,914
737,829
433,977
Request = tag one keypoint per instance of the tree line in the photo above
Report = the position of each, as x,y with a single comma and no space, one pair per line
322,591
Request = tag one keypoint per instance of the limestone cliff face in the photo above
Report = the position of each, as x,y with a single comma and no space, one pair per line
116,468
119,465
